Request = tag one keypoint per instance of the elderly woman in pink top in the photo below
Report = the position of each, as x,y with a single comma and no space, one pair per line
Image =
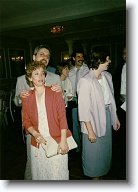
97,114
43,114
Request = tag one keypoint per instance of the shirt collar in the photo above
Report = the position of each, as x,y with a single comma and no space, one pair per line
81,68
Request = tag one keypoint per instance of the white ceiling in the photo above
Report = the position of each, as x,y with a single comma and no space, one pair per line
33,18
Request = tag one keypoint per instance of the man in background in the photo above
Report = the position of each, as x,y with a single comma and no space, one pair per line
75,73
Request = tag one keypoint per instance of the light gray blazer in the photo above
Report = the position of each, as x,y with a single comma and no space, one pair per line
91,106
72,74
51,79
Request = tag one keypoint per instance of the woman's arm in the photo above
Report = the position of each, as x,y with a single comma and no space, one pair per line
63,126
61,111
28,125
63,145
38,137
91,134
117,123
84,100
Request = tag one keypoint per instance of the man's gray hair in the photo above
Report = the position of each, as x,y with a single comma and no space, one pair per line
40,47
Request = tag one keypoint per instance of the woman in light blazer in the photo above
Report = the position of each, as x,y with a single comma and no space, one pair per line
97,113
43,114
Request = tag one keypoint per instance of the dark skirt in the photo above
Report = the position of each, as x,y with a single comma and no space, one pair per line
96,157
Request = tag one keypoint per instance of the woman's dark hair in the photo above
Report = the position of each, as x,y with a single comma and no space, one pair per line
98,56
60,67
32,66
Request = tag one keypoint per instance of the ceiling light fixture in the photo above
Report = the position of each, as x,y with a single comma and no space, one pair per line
57,29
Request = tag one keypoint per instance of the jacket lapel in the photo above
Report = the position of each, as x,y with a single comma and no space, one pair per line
97,88
109,82
47,103
33,108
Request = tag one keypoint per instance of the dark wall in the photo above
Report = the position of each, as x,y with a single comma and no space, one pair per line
16,53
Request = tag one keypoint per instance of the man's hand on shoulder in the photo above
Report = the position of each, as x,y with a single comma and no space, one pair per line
56,88
24,94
